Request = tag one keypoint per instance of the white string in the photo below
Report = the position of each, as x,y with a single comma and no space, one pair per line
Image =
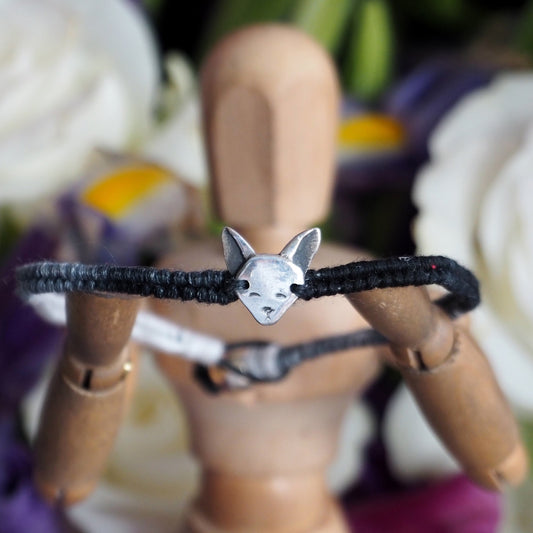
149,329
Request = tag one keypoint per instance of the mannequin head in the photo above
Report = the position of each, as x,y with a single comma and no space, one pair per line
270,100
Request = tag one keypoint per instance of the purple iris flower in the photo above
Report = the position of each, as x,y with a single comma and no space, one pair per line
21,507
94,238
424,97
454,505
372,200
26,344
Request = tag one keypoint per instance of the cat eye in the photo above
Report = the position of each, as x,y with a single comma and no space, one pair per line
281,296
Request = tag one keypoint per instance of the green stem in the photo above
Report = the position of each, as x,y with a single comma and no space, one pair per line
523,39
325,20
369,63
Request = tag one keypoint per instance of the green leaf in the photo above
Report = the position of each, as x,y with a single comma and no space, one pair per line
153,6
527,434
524,33
369,61
9,231
325,20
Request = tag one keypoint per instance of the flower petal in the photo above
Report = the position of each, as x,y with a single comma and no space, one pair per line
119,29
454,505
179,146
447,191
510,358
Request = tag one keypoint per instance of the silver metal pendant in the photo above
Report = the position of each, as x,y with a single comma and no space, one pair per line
269,277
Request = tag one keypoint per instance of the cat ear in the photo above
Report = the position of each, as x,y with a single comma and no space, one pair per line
302,248
236,250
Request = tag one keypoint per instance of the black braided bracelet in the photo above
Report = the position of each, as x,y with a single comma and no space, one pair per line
208,286
219,286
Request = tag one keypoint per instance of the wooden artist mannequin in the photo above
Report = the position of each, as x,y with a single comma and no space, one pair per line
270,101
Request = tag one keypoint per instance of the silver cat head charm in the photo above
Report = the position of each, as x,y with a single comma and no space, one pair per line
269,277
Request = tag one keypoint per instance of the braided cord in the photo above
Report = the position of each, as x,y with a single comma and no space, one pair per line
396,272
208,286
219,286
291,356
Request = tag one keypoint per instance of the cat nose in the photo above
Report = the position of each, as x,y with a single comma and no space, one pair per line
268,310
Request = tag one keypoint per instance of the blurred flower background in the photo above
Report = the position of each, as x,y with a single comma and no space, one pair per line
101,160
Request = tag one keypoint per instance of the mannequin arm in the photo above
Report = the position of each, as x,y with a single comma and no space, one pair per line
87,396
451,380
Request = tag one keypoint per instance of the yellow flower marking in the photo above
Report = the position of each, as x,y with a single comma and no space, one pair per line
370,131
120,191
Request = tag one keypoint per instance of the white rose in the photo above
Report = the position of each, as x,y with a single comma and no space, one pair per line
74,75
474,198
475,206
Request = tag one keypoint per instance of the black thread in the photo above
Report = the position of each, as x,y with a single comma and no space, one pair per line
288,357
208,286
396,272
291,356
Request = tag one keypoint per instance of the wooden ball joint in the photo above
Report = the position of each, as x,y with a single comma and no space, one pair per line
270,99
